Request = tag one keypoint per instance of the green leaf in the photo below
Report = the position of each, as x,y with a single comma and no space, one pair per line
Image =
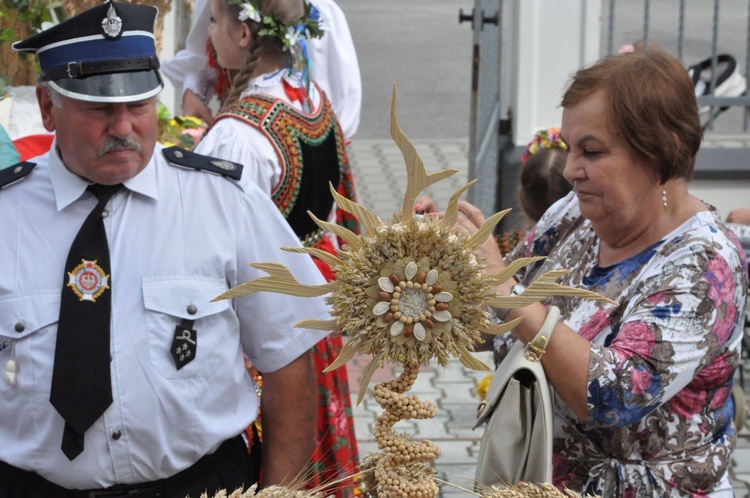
187,141
7,34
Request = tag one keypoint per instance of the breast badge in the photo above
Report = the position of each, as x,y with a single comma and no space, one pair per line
88,280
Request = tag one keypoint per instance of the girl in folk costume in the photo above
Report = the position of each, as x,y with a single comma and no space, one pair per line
280,126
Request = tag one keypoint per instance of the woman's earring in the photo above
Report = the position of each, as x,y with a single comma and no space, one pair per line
664,198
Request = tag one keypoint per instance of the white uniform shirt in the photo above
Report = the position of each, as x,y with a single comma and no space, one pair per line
177,237
334,60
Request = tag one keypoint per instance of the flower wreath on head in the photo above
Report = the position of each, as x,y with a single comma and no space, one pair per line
292,35
544,139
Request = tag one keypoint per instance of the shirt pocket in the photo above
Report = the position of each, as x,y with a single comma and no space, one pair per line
173,302
28,327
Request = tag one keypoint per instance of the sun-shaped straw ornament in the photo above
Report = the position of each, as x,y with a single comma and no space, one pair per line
407,291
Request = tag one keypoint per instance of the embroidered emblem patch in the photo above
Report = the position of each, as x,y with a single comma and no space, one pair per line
184,343
112,24
88,280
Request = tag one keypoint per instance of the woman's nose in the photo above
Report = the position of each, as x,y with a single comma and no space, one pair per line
572,170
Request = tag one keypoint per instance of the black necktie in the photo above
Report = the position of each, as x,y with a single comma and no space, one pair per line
81,378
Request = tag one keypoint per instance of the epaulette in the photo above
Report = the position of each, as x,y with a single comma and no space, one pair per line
183,158
15,173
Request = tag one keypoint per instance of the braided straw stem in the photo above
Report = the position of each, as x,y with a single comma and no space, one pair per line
402,468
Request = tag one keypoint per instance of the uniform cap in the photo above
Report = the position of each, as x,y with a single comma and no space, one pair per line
105,54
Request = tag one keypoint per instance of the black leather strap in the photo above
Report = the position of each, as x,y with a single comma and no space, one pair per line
85,69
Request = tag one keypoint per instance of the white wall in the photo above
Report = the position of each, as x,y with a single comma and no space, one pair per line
553,39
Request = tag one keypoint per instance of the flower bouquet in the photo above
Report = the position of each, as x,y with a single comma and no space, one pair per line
184,131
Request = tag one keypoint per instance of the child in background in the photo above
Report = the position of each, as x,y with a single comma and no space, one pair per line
541,182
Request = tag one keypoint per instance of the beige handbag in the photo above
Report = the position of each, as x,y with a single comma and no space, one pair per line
518,412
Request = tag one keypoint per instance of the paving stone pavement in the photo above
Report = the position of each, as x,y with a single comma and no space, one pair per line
380,177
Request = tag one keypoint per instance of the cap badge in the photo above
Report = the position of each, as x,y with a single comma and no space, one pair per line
112,24
88,280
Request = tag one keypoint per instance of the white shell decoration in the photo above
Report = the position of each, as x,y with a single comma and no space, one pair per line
397,328
381,309
385,284
441,316
432,276
443,297
11,367
419,332
411,270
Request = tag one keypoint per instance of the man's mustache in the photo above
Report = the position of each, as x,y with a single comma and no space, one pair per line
115,143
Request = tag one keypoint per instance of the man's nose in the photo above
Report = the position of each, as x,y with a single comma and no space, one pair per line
121,122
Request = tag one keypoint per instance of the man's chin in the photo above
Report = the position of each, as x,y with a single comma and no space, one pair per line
117,171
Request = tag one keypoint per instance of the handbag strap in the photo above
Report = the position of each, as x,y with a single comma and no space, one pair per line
535,349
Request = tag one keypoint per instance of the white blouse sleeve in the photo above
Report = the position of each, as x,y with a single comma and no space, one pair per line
189,69
236,141
335,66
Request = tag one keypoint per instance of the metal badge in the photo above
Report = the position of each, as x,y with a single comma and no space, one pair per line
112,24
88,280
225,165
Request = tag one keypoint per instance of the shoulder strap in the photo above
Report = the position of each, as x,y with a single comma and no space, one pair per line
15,173
183,158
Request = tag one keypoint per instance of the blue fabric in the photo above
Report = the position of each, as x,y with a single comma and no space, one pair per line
89,50
8,153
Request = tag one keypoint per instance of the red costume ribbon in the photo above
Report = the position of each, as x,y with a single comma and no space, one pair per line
293,93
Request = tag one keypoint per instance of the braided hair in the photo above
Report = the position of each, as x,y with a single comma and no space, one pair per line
266,53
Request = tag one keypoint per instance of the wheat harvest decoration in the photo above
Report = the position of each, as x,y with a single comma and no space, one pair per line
406,291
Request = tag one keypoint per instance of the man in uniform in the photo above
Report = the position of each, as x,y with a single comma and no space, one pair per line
122,376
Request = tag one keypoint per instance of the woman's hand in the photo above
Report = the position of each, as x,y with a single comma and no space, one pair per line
425,204
193,105
471,219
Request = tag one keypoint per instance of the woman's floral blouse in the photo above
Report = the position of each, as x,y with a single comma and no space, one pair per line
662,362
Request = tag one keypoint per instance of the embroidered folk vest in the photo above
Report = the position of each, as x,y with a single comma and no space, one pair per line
311,153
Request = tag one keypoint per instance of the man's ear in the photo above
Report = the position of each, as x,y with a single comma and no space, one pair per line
45,107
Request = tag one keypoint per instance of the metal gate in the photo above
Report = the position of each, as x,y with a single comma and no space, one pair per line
484,137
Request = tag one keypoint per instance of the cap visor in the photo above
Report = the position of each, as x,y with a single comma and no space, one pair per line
111,88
